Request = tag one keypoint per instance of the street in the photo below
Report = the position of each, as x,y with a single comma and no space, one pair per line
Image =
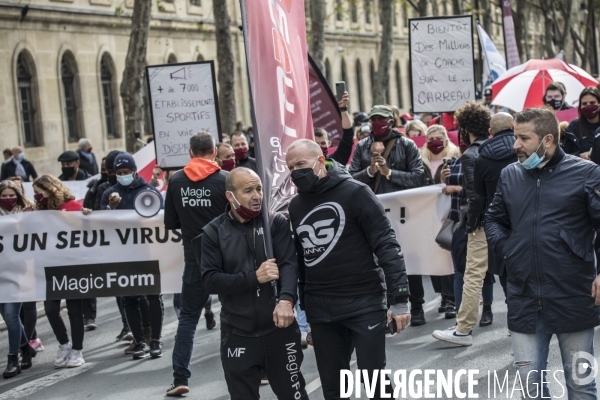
109,374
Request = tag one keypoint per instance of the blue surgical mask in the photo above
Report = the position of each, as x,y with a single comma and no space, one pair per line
21,156
125,180
534,160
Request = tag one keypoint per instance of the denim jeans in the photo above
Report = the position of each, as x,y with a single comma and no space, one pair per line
193,300
16,333
301,318
531,358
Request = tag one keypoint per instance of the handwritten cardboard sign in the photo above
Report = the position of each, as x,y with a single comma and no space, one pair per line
183,102
441,59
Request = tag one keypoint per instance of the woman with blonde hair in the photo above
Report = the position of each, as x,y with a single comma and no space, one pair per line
51,194
437,148
415,128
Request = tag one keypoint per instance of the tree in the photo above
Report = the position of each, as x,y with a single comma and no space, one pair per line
317,32
225,64
131,86
382,77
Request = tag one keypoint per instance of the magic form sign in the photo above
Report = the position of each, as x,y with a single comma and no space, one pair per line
441,63
183,102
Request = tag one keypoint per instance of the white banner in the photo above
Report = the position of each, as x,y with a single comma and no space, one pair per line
58,255
417,216
183,102
441,59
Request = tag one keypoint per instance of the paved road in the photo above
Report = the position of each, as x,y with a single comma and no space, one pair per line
109,374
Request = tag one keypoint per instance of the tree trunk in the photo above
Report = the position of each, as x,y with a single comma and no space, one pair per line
547,12
317,33
519,21
133,75
457,7
226,74
422,7
382,77
434,8
485,14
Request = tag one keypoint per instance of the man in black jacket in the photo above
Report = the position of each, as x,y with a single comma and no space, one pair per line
18,166
339,226
240,147
69,162
494,155
542,222
256,332
195,196
87,159
474,122
402,169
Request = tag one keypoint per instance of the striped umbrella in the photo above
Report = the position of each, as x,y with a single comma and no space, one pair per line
523,86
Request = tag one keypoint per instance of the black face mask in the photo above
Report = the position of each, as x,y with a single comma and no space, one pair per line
68,172
104,176
555,104
305,179
112,180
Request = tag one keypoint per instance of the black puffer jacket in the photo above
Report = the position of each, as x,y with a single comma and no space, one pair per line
542,222
495,154
404,160
475,202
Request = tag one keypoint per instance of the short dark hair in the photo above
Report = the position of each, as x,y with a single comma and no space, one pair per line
555,86
544,122
236,134
320,132
474,118
202,144
7,151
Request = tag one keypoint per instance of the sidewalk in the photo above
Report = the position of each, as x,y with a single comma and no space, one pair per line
40,313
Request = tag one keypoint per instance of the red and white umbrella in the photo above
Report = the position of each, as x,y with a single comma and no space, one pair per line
523,86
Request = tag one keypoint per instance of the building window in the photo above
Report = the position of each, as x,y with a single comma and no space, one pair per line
26,103
359,86
338,10
354,10
405,14
172,59
399,84
106,78
71,106
372,72
367,5
197,3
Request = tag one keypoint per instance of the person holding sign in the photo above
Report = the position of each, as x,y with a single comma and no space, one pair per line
240,147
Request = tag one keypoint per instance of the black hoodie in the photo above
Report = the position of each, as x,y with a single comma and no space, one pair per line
338,230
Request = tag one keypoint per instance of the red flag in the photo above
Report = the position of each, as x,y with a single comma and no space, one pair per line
510,40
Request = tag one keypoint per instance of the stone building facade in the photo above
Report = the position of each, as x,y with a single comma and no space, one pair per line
63,60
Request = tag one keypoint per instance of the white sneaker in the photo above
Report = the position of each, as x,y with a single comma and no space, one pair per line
454,336
75,359
62,357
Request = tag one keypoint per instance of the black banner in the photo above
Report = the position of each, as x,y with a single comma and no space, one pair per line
323,105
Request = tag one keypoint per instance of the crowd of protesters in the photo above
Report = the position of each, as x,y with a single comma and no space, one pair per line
525,206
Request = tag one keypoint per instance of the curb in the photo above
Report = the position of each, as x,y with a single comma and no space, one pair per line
40,313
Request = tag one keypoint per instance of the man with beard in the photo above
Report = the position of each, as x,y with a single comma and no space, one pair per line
240,147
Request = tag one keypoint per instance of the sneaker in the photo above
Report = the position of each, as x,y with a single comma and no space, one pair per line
125,335
90,324
443,306
148,334
452,335
263,378
75,359
155,349
37,345
62,357
131,348
177,390
140,351
210,320
417,317
303,340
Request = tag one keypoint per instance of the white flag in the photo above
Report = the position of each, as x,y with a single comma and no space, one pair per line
494,65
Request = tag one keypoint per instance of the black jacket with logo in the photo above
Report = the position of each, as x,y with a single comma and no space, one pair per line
543,222
231,254
339,229
190,205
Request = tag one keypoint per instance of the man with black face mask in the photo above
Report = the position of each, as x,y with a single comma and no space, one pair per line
554,96
69,162
339,226
258,330
388,162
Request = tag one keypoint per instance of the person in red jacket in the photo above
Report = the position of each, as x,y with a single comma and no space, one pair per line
51,194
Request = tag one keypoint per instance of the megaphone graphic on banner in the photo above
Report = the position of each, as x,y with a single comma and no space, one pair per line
147,203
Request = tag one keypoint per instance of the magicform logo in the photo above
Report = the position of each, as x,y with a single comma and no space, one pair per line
320,231
102,280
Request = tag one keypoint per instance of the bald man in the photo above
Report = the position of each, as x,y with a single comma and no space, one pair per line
495,154
340,229
258,330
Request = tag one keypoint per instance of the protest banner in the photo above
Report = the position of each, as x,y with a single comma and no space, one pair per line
323,105
442,63
183,102
118,253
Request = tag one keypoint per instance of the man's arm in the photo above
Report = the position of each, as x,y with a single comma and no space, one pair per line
356,170
344,149
104,201
285,256
414,176
33,173
3,171
376,227
497,222
475,203
214,279
171,218
479,179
